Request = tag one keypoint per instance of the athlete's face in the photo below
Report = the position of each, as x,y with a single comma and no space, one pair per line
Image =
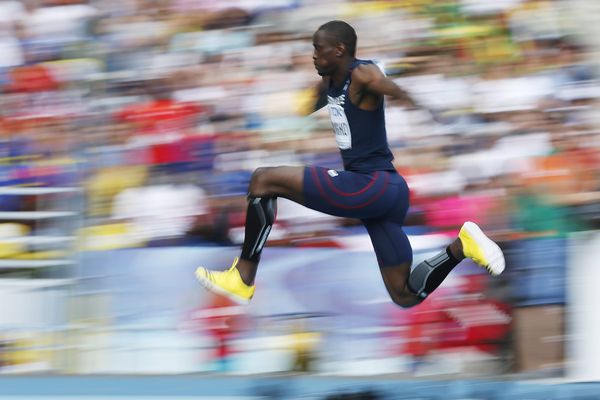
326,55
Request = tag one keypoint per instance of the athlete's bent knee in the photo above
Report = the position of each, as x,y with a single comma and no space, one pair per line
405,301
259,183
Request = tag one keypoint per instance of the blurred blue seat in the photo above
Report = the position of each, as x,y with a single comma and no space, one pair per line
537,271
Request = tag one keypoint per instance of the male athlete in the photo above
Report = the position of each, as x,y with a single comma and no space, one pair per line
369,188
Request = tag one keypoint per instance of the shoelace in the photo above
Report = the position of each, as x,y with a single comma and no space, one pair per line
209,275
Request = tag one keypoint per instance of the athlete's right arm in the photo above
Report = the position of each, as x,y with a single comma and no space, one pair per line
372,80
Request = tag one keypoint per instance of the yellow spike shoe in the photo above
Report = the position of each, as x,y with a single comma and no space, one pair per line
481,249
228,283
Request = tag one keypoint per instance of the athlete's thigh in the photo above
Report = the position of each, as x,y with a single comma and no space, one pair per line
282,181
350,194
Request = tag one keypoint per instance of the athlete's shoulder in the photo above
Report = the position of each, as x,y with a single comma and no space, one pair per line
365,71
359,61
368,64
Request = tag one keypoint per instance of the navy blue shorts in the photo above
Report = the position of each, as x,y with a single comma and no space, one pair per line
379,199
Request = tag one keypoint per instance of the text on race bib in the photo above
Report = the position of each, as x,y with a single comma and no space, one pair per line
339,122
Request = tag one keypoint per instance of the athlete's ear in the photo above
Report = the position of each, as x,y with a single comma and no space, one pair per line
340,49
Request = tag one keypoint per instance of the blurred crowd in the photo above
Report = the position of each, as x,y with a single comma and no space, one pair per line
161,109
158,111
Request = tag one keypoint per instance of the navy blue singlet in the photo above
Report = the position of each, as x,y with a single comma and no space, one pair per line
360,134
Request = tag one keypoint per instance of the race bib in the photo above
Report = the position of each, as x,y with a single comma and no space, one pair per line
343,136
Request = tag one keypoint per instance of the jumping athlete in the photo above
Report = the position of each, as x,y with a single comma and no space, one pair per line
369,188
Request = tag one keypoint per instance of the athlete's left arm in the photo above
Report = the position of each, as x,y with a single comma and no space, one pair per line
373,81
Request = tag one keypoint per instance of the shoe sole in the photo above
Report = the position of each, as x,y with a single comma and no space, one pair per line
491,251
209,285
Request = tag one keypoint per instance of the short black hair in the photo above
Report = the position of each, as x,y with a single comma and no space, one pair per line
343,33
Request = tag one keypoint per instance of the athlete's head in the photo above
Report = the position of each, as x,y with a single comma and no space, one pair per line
333,42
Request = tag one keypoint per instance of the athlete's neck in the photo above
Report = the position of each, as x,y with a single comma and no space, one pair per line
339,77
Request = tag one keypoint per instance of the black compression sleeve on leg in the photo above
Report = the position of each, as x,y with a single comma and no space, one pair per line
429,274
259,220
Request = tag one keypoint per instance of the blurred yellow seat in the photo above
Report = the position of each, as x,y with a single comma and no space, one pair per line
41,255
106,183
107,237
9,248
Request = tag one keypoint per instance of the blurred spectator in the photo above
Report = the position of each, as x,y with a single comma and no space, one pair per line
162,210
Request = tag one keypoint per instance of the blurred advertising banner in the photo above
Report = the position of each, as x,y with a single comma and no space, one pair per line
151,281
315,309
319,310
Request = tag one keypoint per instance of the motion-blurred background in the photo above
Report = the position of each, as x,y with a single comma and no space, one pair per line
128,133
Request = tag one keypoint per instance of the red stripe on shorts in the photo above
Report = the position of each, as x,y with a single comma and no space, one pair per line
344,206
